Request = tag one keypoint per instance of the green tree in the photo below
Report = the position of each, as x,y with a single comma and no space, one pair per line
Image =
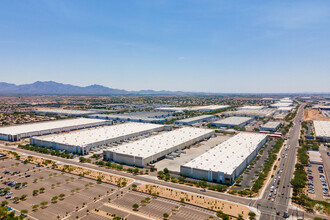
61,196
35,207
35,192
43,204
24,211
16,199
165,215
135,207
4,203
54,199
252,215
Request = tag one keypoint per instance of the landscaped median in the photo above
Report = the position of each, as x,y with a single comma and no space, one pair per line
97,175
217,205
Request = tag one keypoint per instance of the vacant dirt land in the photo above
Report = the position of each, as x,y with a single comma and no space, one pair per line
314,114
195,199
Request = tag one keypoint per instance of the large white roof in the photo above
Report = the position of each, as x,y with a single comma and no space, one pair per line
253,112
48,125
252,107
322,128
155,144
194,108
200,117
64,111
281,104
93,135
233,120
227,156
271,124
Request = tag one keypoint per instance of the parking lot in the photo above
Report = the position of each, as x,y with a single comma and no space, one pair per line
154,209
250,174
317,187
192,153
61,193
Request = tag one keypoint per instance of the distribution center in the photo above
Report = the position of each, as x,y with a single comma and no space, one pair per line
226,161
17,132
143,152
86,140
195,120
232,122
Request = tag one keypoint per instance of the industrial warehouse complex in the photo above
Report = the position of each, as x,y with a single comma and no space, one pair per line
232,122
64,112
195,120
143,152
226,161
17,132
90,139
271,126
261,113
208,108
322,130
145,117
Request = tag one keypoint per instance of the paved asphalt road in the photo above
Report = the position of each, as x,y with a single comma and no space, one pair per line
268,207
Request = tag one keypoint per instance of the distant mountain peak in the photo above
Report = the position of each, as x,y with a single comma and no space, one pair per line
55,88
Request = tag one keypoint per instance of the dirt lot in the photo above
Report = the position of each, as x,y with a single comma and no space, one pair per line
195,199
154,209
314,114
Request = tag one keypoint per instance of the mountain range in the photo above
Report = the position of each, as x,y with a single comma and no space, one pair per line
55,88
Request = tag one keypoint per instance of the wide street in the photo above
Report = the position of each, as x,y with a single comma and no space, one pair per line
280,203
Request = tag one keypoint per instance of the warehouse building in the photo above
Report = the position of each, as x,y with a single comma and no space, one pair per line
99,116
251,107
208,108
18,132
64,112
145,117
195,120
232,122
226,161
261,113
271,126
322,130
281,104
143,152
285,109
88,140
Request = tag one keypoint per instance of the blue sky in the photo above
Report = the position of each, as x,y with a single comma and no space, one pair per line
209,46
